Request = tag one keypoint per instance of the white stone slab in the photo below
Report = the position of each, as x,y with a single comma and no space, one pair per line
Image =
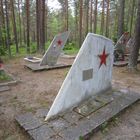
90,74
51,56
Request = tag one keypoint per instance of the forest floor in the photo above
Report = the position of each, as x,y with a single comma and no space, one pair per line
38,90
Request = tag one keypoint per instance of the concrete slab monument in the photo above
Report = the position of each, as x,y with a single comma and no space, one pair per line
90,74
53,51
84,101
49,60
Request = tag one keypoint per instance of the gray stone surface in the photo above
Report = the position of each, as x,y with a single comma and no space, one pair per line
41,113
58,124
72,125
92,122
4,88
35,123
72,117
87,74
37,67
42,133
25,118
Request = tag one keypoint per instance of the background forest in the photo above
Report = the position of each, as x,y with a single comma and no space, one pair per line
28,26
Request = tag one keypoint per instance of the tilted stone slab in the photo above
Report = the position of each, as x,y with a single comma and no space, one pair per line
37,67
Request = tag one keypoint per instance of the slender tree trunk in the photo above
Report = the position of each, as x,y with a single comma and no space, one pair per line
20,28
37,23
28,24
66,15
136,46
107,20
95,16
91,14
132,16
7,29
14,26
3,24
121,19
102,17
80,22
87,15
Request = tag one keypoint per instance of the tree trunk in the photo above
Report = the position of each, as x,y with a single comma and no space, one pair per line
102,18
132,15
80,22
14,26
95,16
3,24
7,29
107,20
91,14
28,24
121,19
20,28
136,45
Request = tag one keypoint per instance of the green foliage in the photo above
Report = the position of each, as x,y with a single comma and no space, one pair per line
2,51
71,48
104,128
4,76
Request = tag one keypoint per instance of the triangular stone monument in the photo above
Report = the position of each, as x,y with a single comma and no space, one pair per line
90,74
122,42
51,56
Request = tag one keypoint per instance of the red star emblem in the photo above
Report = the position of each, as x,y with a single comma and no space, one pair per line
103,57
59,42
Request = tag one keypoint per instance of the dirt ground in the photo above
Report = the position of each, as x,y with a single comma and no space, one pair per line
38,89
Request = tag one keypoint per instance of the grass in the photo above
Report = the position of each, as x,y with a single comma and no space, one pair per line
4,77
69,49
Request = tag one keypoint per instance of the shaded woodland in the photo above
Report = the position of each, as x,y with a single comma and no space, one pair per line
29,25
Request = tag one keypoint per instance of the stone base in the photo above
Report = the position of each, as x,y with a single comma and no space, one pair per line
81,121
37,67
4,88
33,59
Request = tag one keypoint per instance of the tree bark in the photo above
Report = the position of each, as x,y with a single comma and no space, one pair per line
14,26
80,22
7,29
95,16
28,24
102,18
107,19
121,19
136,45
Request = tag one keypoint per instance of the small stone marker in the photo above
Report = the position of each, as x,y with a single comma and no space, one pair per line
90,74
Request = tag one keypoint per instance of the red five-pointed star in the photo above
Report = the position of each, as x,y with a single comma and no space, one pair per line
103,57
59,42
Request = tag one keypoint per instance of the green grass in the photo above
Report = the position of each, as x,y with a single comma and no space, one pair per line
4,76
70,49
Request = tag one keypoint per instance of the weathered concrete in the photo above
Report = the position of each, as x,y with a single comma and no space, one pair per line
4,88
37,67
51,56
90,74
71,125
